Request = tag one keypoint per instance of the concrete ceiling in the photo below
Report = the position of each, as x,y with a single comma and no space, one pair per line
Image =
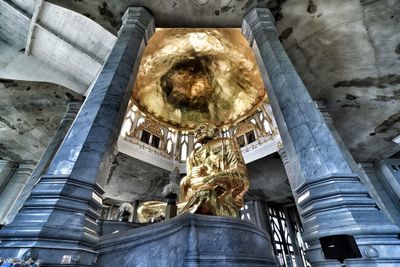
191,13
347,53
268,181
30,113
40,41
132,179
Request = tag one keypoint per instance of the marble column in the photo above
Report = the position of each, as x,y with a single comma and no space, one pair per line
371,185
58,221
171,193
290,213
330,197
44,162
377,179
285,160
12,189
7,169
390,170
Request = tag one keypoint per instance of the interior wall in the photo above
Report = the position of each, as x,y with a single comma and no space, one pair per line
131,179
268,181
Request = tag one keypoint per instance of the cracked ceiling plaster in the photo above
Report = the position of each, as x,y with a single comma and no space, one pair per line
30,113
347,53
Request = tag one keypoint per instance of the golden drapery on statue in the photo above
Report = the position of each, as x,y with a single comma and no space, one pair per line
216,179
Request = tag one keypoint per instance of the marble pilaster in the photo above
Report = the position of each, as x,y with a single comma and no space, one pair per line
330,197
12,189
387,202
40,168
390,170
370,184
59,218
7,168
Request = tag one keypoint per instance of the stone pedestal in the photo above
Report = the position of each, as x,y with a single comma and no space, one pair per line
330,197
188,240
58,220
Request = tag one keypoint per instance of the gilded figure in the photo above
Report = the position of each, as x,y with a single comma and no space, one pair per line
216,178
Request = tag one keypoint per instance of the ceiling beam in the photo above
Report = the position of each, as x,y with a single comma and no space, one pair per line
34,22
35,15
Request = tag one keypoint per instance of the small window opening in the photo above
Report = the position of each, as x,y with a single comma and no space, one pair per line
145,137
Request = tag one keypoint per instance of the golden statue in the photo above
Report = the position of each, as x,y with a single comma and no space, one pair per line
216,179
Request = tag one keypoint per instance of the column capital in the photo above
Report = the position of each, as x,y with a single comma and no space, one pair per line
284,157
26,167
140,17
257,19
4,162
366,166
73,108
321,106
174,176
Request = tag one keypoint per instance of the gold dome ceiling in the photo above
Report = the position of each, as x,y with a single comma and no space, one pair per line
188,76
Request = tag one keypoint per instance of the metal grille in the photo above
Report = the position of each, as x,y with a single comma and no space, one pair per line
285,232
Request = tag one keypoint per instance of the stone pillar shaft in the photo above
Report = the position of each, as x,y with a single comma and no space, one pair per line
331,199
60,214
